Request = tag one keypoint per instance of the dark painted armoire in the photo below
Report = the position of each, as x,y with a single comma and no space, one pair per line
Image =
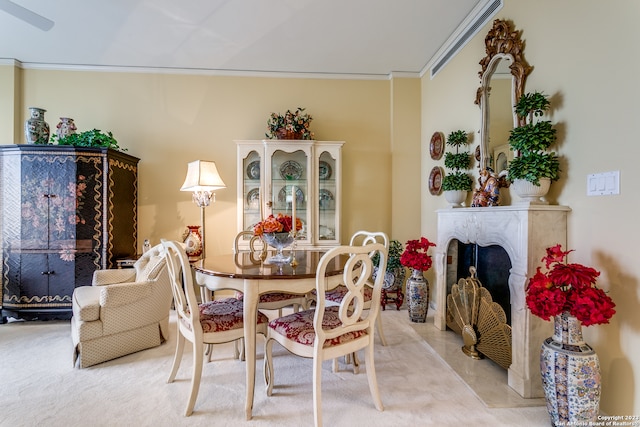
65,212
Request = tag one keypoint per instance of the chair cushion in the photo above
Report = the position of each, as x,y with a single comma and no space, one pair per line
152,269
298,327
337,295
224,315
272,297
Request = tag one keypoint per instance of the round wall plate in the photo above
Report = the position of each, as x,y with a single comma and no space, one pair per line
435,180
436,147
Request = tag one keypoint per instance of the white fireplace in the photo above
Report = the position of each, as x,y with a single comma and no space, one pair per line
524,232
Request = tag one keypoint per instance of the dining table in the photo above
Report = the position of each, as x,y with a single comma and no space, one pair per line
253,275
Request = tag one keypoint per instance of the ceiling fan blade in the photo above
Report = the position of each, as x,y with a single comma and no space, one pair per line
26,15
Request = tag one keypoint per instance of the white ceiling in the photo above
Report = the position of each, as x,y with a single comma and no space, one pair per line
359,37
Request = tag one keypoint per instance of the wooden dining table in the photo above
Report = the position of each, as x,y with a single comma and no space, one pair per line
246,272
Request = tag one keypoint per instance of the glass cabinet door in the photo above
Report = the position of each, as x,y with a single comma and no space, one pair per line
290,173
251,189
327,193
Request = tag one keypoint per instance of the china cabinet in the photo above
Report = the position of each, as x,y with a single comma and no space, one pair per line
64,212
273,175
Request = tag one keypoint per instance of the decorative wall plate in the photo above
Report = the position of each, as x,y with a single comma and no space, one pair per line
324,170
291,170
435,180
436,147
253,170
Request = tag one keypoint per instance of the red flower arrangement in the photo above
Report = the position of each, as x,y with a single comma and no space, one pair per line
277,224
568,287
415,254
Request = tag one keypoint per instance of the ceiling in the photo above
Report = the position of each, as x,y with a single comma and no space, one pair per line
346,37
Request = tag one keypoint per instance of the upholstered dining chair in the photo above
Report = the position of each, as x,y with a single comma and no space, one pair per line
335,296
329,332
211,322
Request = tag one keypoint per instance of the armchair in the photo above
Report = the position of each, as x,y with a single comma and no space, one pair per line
123,311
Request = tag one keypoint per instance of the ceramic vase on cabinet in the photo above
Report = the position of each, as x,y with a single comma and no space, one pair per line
36,130
417,296
570,374
65,127
193,242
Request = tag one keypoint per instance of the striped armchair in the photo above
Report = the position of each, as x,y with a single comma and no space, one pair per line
124,311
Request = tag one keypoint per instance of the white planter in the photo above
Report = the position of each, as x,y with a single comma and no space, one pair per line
530,193
455,197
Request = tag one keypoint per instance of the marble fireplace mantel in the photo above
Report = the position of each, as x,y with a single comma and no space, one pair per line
524,232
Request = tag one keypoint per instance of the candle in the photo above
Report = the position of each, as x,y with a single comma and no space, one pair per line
293,209
261,207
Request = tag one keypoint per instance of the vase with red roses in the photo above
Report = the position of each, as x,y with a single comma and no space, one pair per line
569,367
416,257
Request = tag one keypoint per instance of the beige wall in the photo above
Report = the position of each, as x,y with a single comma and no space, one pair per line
584,55
168,120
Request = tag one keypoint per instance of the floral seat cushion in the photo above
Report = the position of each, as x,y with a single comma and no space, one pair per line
272,297
224,315
337,295
298,327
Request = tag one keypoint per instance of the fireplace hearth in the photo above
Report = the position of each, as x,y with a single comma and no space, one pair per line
523,232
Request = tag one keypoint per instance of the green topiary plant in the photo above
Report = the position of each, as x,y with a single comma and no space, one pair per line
458,162
532,140
90,138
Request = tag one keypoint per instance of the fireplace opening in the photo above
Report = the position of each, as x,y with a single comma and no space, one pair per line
478,300
492,266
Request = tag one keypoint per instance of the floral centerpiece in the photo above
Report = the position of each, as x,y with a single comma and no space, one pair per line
415,255
417,258
568,288
276,224
289,125
276,231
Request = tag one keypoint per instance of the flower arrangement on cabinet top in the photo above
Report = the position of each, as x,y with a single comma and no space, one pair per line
415,255
290,125
568,287
276,224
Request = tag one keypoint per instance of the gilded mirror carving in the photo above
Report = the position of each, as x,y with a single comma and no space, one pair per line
504,50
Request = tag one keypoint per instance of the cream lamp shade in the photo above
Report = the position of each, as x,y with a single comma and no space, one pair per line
202,179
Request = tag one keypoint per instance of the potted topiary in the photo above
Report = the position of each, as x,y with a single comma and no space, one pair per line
533,168
457,183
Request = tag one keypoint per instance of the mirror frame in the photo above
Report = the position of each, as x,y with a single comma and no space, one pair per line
502,41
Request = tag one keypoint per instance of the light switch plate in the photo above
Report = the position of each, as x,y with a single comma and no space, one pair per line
603,184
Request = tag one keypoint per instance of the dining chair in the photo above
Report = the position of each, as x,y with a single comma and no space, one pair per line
273,300
212,322
328,332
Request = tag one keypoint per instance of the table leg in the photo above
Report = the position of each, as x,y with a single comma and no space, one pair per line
250,306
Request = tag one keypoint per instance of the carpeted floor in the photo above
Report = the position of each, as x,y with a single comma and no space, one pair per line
39,386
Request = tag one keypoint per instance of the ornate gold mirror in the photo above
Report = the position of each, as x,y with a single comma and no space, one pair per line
504,49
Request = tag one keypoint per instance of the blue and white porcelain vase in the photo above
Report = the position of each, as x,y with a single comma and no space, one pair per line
570,374
417,296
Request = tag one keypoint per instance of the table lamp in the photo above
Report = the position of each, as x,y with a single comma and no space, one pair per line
202,179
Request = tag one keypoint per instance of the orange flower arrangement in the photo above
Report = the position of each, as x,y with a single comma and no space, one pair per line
276,224
568,287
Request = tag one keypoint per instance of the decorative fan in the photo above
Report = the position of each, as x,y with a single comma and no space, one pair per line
26,15
463,302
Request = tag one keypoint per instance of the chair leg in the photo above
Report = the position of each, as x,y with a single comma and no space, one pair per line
383,340
177,358
371,377
195,379
317,390
268,366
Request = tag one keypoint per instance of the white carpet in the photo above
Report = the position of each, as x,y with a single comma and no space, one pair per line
39,386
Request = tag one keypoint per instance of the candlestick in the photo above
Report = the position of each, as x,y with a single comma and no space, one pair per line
261,206
293,210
